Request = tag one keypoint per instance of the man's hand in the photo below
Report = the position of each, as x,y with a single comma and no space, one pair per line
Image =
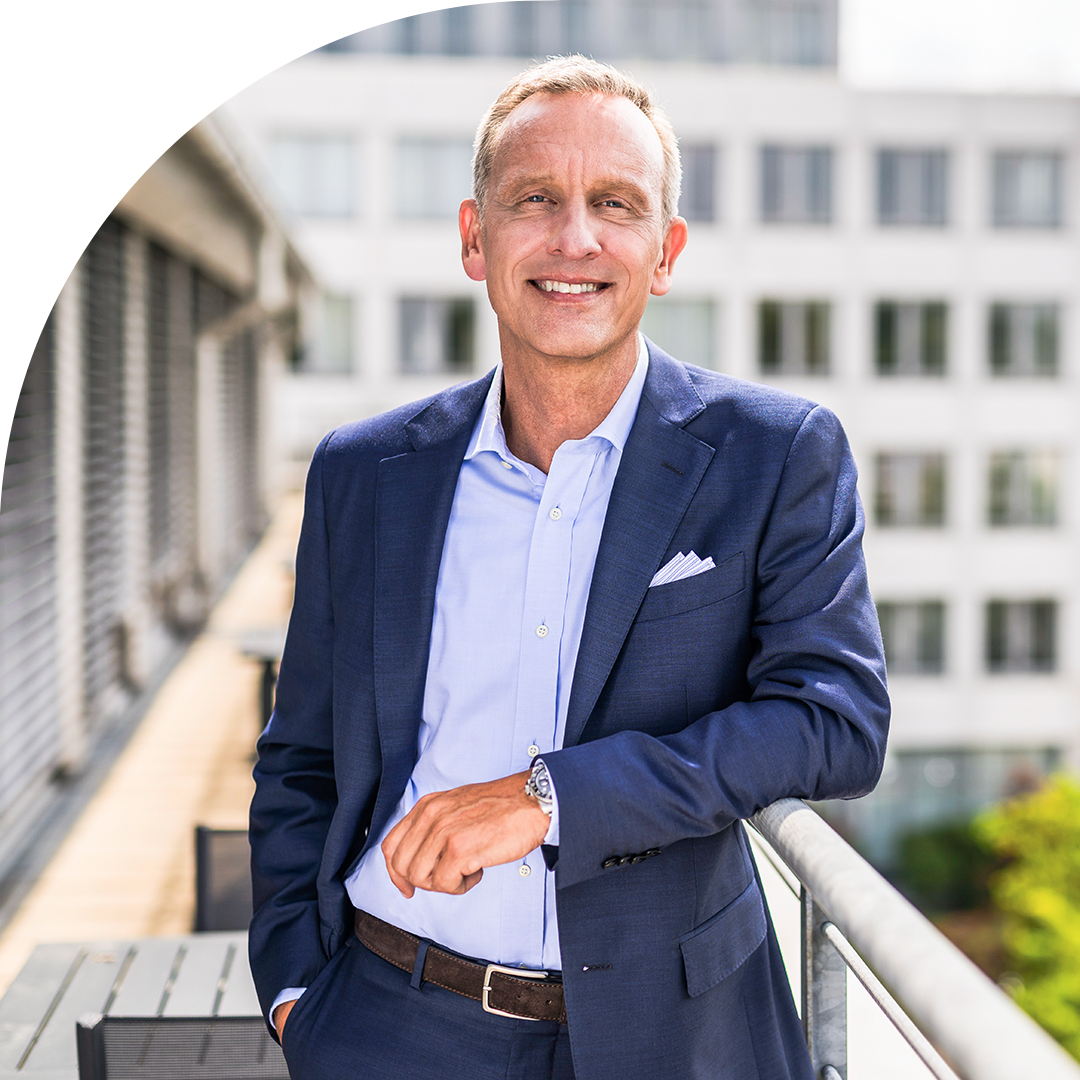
281,1014
444,842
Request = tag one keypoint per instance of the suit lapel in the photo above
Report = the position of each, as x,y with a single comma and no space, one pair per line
660,471
415,493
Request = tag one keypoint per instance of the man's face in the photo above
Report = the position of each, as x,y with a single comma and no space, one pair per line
572,240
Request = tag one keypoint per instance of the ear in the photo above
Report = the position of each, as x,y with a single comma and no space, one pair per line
472,252
674,242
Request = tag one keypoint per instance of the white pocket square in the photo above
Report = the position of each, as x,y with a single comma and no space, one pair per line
681,566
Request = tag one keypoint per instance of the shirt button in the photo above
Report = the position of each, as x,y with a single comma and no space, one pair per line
541,631
534,750
507,465
524,870
555,514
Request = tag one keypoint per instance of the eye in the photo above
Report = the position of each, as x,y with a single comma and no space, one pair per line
536,198
617,204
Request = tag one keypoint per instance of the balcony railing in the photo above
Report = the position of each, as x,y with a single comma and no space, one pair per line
955,1019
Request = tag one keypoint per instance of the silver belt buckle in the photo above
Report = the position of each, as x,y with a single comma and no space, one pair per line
517,973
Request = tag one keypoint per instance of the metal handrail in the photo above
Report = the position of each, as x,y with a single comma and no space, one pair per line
981,1032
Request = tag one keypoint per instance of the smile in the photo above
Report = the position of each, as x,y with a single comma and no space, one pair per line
565,286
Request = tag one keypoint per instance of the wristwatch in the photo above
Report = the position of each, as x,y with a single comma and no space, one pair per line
538,786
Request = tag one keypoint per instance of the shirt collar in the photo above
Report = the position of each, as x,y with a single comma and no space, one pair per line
615,427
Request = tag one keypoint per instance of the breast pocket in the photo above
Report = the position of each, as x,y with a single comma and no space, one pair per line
695,592
721,945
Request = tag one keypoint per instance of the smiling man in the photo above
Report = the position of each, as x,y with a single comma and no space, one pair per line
555,634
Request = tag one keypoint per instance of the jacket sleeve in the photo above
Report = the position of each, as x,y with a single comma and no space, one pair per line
814,721
295,792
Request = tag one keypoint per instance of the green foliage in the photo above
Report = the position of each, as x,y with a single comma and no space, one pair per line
1038,893
944,867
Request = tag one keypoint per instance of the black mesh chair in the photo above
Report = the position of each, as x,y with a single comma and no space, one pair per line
222,879
177,1048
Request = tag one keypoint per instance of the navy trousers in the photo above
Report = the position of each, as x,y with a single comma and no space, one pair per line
362,1020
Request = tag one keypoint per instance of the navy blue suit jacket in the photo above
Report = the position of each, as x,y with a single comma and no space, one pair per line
693,705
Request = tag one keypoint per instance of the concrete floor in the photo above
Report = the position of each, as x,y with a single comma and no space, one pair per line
127,868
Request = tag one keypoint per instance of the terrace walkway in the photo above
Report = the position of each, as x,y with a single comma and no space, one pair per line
127,868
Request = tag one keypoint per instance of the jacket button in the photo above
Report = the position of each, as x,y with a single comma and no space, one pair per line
608,863
651,852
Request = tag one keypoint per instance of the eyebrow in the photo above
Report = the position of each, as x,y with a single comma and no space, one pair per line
614,185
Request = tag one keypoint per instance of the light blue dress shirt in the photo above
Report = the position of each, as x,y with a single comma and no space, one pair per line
514,581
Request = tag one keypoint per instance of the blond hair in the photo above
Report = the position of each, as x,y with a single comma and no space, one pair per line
574,75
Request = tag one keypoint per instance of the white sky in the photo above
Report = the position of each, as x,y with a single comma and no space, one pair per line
1026,45
93,91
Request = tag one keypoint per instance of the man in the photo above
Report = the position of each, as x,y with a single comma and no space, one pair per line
555,633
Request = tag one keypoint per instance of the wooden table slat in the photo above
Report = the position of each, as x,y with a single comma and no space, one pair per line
28,998
88,991
196,984
240,998
140,992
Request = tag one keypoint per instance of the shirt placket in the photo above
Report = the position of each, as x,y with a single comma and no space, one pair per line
543,615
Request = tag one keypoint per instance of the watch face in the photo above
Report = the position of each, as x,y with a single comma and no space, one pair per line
539,783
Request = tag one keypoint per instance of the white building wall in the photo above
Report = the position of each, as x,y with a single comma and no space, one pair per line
739,261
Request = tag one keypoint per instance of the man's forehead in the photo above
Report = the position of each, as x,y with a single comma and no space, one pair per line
610,130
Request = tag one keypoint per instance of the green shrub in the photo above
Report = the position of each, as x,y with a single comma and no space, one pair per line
1038,893
944,867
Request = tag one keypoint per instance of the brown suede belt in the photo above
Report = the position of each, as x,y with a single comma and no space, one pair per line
505,991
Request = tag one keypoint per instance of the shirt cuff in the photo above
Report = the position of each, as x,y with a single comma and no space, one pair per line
290,993
551,837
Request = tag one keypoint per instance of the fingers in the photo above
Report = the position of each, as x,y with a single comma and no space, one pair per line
444,842
429,849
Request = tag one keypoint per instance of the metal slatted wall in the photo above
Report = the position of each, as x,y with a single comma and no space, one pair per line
104,642
240,445
159,420
232,473
176,590
29,706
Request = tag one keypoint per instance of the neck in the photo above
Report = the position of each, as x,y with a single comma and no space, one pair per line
547,401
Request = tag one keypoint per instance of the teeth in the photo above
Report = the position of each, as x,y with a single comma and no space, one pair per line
566,287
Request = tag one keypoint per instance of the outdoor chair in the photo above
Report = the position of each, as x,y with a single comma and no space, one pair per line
222,879
177,1048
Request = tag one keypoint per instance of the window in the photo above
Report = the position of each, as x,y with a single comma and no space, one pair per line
433,176
669,30
786,32
796,185
523,29
457,31
698,199
684,328
315,174
1020,635
437,336
1023,488
910,489
576,29
1023,339
914,636
912,187
331,351
910,338
793,337
1027,190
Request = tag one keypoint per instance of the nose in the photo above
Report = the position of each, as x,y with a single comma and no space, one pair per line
576,234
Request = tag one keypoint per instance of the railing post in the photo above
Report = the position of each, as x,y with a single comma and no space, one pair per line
824,995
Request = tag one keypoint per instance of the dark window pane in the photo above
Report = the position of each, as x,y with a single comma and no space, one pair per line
698,199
